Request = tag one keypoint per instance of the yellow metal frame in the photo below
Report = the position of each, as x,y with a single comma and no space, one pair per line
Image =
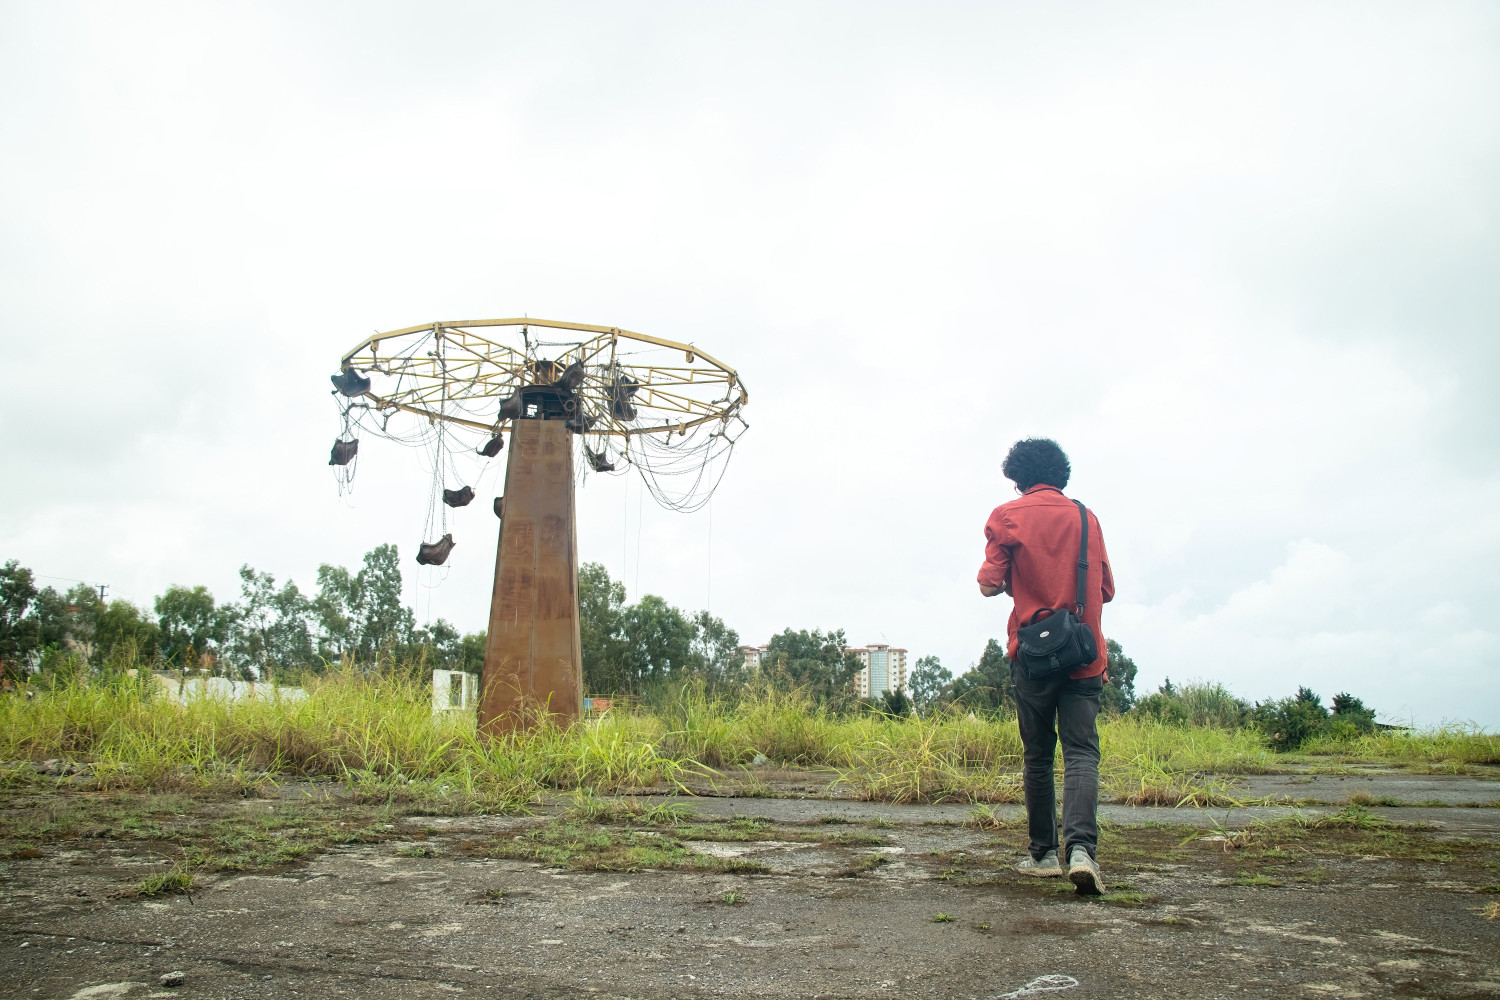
475,365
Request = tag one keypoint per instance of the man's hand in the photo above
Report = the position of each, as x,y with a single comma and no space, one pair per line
988,591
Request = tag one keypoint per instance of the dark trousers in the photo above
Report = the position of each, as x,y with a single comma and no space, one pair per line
1047,710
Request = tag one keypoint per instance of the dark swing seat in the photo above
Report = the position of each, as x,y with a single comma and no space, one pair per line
435,553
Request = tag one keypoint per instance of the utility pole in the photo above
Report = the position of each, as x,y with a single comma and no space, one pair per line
102,588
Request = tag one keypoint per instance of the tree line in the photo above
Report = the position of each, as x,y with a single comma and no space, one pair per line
986,685
270,632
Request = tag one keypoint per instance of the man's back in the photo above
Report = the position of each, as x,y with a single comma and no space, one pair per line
1031,552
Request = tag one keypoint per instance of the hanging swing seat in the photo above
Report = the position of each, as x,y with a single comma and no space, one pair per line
458,498
492,447
500,507
435,553
350,383
598,460
343,452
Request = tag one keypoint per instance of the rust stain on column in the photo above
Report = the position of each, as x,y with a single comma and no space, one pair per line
533,657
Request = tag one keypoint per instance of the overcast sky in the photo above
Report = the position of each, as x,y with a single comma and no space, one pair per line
1239,260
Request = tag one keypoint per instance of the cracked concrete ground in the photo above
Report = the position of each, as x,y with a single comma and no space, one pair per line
1363,912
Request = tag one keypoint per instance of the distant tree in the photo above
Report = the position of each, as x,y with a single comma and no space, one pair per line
895,704
361,614
190,623
68,619
716,653
472,652
336,611
1162,705
986,685
928,682
20,632
270,629
125,635
600,601
633,648
435,646
1291,722
1350,717
658,643
1119,694
816,661
384,621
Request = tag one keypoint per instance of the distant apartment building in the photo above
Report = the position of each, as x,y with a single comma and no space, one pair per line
882,669
752,655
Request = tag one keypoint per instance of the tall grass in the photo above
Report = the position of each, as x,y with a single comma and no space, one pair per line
1446,745
378,734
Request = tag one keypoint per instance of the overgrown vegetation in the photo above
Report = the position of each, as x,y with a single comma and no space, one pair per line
378,736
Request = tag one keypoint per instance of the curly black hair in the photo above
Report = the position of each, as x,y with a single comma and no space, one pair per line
1036,460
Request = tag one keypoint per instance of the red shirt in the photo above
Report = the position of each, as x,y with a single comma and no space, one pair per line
1031,553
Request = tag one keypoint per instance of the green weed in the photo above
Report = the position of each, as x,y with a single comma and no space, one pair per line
1127,897
416,851
179,879
1257,879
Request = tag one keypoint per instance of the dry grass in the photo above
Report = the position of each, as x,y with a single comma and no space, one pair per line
379,737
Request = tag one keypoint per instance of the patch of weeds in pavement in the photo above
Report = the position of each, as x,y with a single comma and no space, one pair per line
740,829
416,851
1127,898
1316,876
732,899
1259,880
1490,911
489,897
1488,888
1366,799
753,786
27,852
879,823
211,832
591,807
178,880
852,838
942,918
982,818
592,847
866,864
753,828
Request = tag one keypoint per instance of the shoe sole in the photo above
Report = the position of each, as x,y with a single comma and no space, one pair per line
1041,873
1087,882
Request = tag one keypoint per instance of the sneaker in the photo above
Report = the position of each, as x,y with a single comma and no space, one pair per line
1083,871
1045,868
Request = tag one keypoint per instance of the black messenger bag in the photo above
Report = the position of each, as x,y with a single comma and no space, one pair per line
1060,643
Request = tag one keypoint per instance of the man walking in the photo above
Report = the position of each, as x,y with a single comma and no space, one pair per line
1032,553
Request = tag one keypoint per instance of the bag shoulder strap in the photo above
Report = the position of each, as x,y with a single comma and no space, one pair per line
1083,558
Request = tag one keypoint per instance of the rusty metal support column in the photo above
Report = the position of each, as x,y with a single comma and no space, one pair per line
533,656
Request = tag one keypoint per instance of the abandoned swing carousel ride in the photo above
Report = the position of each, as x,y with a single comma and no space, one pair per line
465,392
